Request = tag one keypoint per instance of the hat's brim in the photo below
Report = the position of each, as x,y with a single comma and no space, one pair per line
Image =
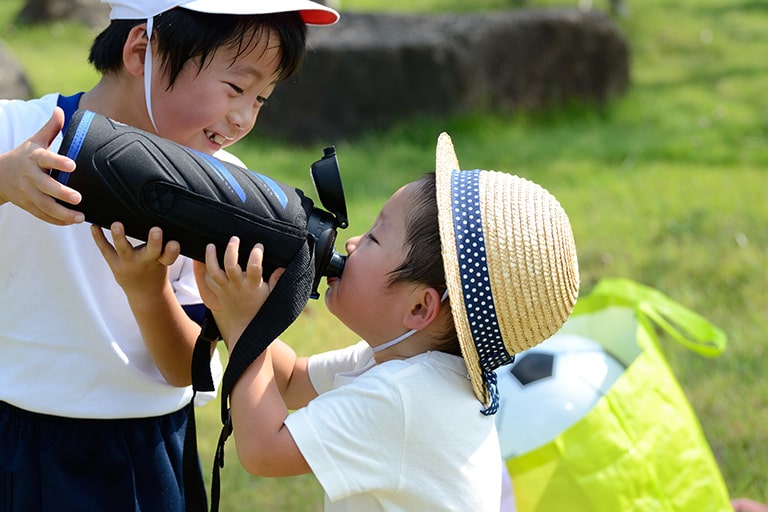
312,13
446,163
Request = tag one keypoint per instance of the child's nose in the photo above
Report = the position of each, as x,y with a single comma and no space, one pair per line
235,118
351,244
243,116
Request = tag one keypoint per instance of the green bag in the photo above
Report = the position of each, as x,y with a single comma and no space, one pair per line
641,447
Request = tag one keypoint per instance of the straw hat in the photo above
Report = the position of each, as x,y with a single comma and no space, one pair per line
510,265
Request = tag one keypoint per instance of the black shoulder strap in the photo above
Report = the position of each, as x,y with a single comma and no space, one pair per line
283,306
195,499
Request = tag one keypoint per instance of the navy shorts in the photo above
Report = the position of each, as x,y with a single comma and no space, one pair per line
49,463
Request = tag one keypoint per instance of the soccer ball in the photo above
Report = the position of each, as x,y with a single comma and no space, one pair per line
549,388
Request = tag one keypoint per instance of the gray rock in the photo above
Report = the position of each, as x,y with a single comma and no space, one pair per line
92,13
370,70
13,81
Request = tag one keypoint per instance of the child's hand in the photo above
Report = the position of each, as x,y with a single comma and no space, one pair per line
24,179
140,270
233,295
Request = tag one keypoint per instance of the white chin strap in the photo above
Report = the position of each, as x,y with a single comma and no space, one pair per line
395,341
148,74
385,346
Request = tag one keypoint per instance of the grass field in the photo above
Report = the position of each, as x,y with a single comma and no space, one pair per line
666,185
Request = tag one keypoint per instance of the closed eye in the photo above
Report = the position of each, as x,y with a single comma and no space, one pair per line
235,88
372,238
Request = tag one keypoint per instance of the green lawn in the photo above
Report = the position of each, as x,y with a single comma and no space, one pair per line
666,185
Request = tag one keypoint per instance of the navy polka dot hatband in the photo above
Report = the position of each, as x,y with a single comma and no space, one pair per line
510,265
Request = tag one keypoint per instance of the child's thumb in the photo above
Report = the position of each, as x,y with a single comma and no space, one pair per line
44,137
275,277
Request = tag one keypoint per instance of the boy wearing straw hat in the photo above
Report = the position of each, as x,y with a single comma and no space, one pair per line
460,271
97,338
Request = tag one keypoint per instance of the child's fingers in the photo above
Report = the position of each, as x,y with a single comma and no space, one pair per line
211,262
203,280
122,246
155,251
154,245
199,271
255,260
102,243
217,278
275,277
47,159
170,253
231,255
45,208
45,135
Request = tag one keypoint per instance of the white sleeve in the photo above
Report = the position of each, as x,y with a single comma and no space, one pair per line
183,282
351,437
324,367
20,119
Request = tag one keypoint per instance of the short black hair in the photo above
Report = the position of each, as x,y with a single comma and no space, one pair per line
424,261
181,34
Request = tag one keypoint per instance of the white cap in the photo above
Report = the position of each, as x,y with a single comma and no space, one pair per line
313,13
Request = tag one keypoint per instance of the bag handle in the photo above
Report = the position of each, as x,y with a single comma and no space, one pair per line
688,328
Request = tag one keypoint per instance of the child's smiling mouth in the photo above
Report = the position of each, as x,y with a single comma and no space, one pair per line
216,138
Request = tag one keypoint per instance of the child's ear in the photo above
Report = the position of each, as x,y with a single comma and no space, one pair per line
425,306
134,50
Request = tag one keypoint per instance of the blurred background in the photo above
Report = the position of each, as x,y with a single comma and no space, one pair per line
663,175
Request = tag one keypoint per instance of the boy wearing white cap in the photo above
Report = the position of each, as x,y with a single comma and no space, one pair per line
97,338
460,271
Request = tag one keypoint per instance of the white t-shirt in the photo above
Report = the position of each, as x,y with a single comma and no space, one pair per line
403,435
69,343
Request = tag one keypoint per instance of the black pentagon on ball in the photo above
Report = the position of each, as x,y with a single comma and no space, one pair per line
533,367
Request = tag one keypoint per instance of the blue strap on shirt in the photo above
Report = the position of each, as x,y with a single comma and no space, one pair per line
69,105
